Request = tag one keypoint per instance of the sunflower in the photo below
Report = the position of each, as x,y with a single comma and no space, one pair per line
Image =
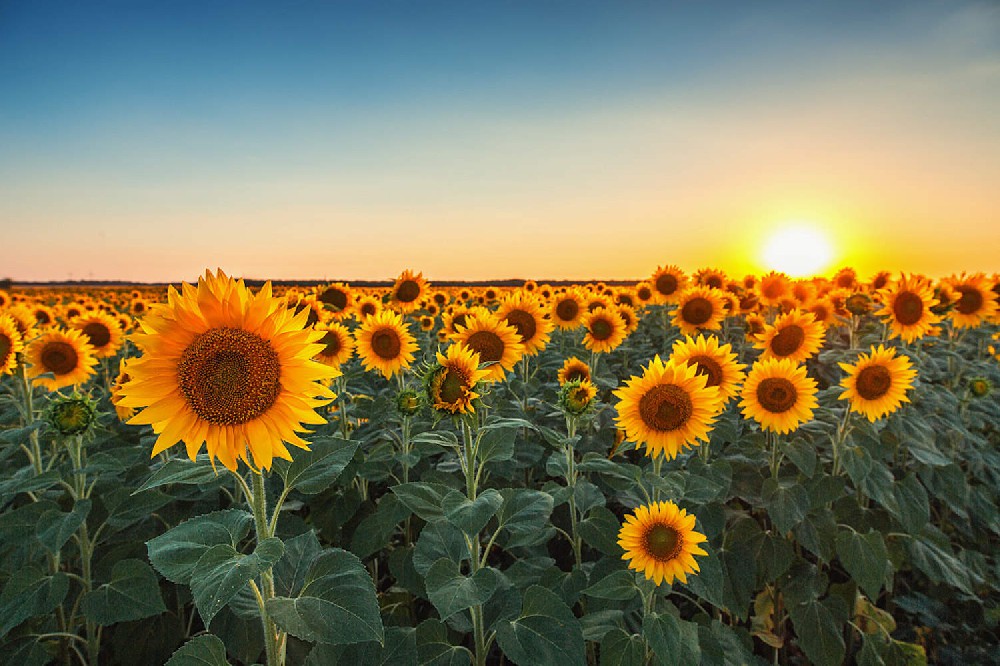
4,299
338,345
407,291
699,308
773,287
573,368
629,316
876,385
779,395
754,324
138,307
625,298
846,278
524,312
907,308
315,312
530,286
804,292
567,309
23,320
103,332
717,362
668,283
577,397
10,344
494,340
227,368
796,336
459,316
426,323
366,306
669,408
451,386
660,541
66,354
605,330
118,392
337,298
975,300
822,311
384,343
644,293
879,281
44,316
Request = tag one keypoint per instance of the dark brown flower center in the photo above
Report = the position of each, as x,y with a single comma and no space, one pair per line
386,343
873,382
42,317
568,309
335,297
819,312
776,394
663,543
6,345
59,358
368,309
908,308
98,334
708,366
229,376
408,291
714,281
601,329
488,344
970,302
665,407
772,289
788,340
577,372
524,322
644,293
452,388
332,342
697,311
666,284
461,319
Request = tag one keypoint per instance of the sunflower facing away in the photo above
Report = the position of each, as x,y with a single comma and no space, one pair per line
907,308
65,354
10,344
605,330
573,368
384,343
338,345
716,362
451,385
407,291
523,311
699,308
975,300
795,335
778,395
494,340
660,541
877,384
669,408
226,368
102,331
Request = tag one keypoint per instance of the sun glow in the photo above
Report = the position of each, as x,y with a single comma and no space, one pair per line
799,250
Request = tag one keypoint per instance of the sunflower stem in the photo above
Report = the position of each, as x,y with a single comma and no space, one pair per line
470,442
838,443
272,638
571,478
29,418
772,440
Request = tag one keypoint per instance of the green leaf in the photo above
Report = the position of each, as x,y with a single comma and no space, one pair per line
546,632
423,499
181,471
29,593
375,531
133,593
617,586
471,517
18,526
451,592
313,471
439,539
525,515
125,509
176,552
497,443
621,649
55,527
600,530
204,650
819,634
914,511
435,648
26,481
337,604
400,649
674,641
939,564
803,455
787,503
222,571
865,557
290,570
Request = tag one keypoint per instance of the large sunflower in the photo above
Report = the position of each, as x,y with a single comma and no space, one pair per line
227,368
384,343
669,408
877,384
567,309
451,385
407,291
338,345
65,354
605,330
779,395
494,340
660,541
699,308
10,344
573,368
717,362
975,303
795,335
103,332
523,311
907,308
668,283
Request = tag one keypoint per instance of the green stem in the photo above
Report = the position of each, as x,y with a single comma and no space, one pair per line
29,418
272,638
471,479
838,443
772,440
571,477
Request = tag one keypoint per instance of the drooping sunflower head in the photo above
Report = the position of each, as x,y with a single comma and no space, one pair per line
496,342
660,541
337,298
605,330
407,291
877,384
716,362
10,344
572,369
908,308
668,283
227,368
858,304
699,308
778,395
754,324
576,398
103,332
567,309
338,345
795,335
773,287
669,408
451,385
524,312
975,303
64,354
384,343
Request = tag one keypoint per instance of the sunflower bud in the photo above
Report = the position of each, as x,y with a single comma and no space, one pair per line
408,402
577,397
71,415
858,304
980,387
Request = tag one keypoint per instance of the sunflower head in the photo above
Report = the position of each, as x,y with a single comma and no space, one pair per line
660,541
118,391
576,398
795,335
699,308
337,298
385,344
573,369
338,345
974,302
451,385
408,290
773,287
858,304
606,330
716,362
10,344
567,309
524,312
980,387
778,395
74,414
496,342
877,384
408,402
60,358
103,332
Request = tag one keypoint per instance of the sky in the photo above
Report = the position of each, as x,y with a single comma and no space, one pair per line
149,141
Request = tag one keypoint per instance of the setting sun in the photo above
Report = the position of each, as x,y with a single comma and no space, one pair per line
799,251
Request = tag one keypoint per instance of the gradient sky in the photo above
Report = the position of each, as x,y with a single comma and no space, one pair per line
475,140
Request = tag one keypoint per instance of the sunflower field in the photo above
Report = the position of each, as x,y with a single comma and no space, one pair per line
694,469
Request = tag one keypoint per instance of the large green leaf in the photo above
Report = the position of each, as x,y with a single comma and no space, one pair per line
337,604
222,571
29,593
452,592
176,552
133,593
125,509
786,502
55,527
399,649
290,570
819,634
617,586
914,511
939,564
525,515
468,516
423,499
204,650
497,442
181,471
674,641
439,539
435,648
865,557
621,649
315,470
545,633
375,531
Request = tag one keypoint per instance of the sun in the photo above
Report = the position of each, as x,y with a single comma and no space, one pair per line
799,250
